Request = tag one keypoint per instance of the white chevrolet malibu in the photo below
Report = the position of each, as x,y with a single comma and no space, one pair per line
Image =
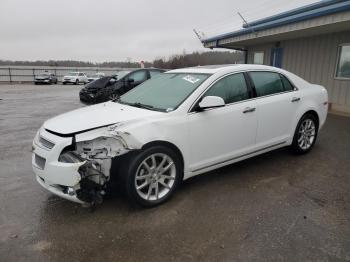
177,125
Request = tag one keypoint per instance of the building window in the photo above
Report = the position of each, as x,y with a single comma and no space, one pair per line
258,58
343,63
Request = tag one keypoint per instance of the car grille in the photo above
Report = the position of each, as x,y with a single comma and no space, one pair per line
40,161
46,143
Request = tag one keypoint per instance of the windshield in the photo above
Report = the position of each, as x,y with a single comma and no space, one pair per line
121,74
164,92
73,74
99,83
43,75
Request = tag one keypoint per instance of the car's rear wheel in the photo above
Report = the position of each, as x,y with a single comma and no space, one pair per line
77,82
152,176
305,134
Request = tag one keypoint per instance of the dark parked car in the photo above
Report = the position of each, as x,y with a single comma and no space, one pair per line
45,78
111,87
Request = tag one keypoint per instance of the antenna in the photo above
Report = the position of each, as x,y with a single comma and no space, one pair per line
197,34
245,21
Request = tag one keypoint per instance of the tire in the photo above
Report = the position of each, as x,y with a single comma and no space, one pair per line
76,82
140,171
305,134
63,83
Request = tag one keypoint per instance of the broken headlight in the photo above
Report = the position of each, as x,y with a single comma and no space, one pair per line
70,157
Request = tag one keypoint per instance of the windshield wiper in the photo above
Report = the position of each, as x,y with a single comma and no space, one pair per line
140,105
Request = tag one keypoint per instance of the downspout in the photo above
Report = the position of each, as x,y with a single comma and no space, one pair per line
246,56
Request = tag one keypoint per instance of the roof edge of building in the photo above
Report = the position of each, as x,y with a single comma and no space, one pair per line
294,11
330,7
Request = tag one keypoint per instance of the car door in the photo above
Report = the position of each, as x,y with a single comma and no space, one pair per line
221,134
277,103
81,77
136,78
84,78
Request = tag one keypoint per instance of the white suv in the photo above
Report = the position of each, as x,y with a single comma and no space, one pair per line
75,78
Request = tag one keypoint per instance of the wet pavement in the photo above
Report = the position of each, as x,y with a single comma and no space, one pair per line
274,207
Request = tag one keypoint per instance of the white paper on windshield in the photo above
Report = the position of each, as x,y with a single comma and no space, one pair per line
191,79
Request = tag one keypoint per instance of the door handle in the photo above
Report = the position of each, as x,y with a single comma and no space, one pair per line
295,99
249,110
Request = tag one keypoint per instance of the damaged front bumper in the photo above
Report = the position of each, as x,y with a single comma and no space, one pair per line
59,191
76,171
60,178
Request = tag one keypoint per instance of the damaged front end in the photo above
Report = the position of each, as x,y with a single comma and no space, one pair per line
97,155
81,169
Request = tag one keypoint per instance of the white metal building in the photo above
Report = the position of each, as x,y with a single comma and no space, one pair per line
312,41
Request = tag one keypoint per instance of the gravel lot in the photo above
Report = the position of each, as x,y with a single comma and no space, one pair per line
275,207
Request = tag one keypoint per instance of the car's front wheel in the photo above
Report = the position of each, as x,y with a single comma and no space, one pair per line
305,134
152,176
113,97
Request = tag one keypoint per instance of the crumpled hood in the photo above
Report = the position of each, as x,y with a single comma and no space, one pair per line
95,116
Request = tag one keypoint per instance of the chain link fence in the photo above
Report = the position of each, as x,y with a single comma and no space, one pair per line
19,74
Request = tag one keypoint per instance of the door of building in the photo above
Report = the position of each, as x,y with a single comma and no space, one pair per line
276,57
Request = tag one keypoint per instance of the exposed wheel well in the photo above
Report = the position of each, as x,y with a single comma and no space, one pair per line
314,113
167,144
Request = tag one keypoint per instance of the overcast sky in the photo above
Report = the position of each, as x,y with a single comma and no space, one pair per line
112,30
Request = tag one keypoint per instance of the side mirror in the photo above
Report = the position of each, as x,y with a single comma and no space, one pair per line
112,80
211,102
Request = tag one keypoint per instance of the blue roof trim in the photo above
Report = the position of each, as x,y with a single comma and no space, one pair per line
294,11
335,7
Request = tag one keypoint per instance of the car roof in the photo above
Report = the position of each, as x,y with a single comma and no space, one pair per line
212,69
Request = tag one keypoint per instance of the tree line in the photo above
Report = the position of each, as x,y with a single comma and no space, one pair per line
172,62
199,59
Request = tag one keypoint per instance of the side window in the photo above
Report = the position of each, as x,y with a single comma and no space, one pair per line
232,88
286,84
138,76
266,83
81,74
154,73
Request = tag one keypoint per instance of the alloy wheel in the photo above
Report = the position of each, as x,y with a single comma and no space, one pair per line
155,177
306,134
113,96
